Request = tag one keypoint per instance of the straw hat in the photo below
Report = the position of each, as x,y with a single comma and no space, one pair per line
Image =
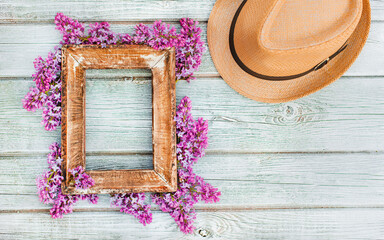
280,50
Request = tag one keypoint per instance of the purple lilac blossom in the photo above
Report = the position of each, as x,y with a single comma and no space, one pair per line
100,34
82,180
72,30
192,135
47,93
188,56
158,36
133,203
192,141
49,185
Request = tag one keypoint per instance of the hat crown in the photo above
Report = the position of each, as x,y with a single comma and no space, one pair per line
296,24
294,35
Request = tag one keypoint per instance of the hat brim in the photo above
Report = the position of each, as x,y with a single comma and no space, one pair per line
277,91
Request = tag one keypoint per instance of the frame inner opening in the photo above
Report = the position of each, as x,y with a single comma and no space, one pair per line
119,119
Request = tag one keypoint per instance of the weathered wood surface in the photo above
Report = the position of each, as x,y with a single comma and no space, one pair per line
308,169
247,181
33,11
267,224
346,116
18,52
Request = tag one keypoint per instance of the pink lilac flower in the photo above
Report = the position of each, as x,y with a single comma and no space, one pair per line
192,134
125,38
63,205
158,36
72,30
192,141
49,185
47,93
52,108
99,33
82,180
47,70
133,203
34,100
189,46
188,56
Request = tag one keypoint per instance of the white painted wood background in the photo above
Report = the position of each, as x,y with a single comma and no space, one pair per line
308,169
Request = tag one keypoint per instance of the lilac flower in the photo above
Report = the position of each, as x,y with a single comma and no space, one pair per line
52,110
142,34
99,33
47,70
192,134
188,56
63,205
192,141
125,38
33,100
82,180
92,198
49,185
188,44
47,93
72,30
133,203
158,36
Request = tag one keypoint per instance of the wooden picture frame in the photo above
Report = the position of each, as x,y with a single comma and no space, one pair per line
76,59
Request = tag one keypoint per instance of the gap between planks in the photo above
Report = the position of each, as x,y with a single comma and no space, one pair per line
198,77
212,209
168,21
128,153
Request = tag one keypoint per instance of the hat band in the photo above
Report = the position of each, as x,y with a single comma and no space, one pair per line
266,77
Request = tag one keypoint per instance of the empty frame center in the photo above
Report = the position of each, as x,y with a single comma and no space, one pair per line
118,119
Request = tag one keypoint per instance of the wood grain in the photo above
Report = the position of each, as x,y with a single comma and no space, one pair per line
73,116
247,181
325,182
35,11
76,59
19,52
274,224
346,116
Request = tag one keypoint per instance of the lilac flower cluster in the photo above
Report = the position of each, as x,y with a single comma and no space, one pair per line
192,134
47,93
192,141
82,180
158,36
188,56
49,185
99,33
133,203
188,44
72,30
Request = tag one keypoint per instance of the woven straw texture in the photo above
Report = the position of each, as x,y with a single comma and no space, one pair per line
271,39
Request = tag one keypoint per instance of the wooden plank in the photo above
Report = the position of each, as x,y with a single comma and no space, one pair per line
119,10
346,116
274,224
254,181
18,52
